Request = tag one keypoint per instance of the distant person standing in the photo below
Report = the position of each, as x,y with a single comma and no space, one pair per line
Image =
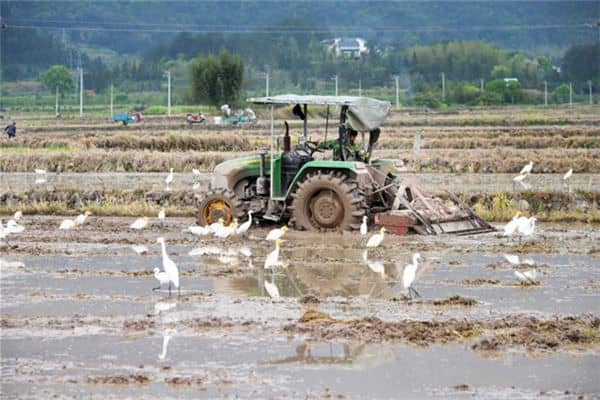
11,130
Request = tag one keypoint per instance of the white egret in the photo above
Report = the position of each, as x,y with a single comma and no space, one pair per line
166,340
82,217
277,233
139,223
527,168
161,214
228,260
67,224
568,174
199,230
271,288
40,171
515,260
224,232
196,186
169,266
169,179
519,178
526,226
272,259
3,232
17,215
377,267
246,225
10,264
206,250
139,248
364,229
376,239
161,277
215,226
528,276
409,274
13,227
511,226
195,171
511,258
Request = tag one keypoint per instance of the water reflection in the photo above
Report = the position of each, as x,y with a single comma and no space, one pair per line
349,354
355,275
163,306
166,339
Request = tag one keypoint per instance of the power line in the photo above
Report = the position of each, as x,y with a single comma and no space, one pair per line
345,29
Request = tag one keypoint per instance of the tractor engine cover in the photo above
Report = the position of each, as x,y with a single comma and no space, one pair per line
291,164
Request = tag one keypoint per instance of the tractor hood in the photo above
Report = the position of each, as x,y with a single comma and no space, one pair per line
364,113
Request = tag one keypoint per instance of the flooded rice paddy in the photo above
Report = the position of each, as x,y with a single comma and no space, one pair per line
80,319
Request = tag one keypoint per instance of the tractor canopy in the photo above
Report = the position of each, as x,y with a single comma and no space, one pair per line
363,113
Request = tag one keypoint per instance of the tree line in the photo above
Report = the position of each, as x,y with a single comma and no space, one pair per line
304,61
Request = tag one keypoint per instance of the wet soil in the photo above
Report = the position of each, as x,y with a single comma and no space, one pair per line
79,317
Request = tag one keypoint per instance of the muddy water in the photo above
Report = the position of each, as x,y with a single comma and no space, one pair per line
79,318
468,183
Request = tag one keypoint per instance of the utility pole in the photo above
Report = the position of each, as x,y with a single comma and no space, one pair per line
545,93
443,87
397,80
335,78
570,94
2,27
481,85
267,83
112,87
360,87
169,93
81,92
590,89
56,104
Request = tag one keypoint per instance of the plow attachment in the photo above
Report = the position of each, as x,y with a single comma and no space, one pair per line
415,210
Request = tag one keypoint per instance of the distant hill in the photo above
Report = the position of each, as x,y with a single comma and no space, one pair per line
134,26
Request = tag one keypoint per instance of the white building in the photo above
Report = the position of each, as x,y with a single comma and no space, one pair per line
348,47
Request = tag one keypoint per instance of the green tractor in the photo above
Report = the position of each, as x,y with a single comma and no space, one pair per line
288,185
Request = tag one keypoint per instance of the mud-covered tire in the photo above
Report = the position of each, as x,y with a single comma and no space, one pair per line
219,203
327,201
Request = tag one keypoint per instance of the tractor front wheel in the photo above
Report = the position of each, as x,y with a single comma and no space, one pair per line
327,201
216,204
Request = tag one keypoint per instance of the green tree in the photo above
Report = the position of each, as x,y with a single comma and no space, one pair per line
582,63
561,93
216,80
508,91
59,77
500,72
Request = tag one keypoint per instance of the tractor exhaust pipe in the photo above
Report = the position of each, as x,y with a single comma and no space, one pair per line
262,183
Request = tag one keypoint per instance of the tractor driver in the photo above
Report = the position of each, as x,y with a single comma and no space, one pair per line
352,151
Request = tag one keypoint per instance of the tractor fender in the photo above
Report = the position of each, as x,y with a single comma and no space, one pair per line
358,170
228,173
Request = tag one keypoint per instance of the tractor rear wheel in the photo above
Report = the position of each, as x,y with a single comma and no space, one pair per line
220,203
327,201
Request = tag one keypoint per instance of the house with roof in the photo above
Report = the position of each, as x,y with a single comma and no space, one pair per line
348,47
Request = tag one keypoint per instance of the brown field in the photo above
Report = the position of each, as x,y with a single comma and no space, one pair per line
79,318
490,141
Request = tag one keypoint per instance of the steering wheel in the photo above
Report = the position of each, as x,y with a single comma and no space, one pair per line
313,146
